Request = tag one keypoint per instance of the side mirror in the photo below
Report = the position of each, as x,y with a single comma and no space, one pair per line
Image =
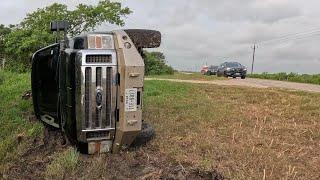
59,26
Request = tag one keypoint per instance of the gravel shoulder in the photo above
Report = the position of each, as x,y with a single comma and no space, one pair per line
251,82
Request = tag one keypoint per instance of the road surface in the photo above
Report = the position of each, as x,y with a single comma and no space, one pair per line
250,82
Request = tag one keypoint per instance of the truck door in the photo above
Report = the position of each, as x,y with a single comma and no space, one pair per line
44,78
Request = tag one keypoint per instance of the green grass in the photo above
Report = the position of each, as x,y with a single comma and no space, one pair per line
183,76
15,126
63,164
292,77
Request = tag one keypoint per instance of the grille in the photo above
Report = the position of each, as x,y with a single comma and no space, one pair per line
87,95
98,97
101,134
98,109
108,97
98,59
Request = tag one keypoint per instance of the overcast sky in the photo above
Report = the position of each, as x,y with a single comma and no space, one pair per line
196,32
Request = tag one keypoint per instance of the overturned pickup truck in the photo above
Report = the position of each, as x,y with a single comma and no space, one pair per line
91,86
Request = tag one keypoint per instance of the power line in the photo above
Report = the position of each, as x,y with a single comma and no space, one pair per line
293,39
290,36
282,40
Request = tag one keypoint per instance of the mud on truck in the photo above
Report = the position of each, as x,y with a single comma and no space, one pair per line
91,86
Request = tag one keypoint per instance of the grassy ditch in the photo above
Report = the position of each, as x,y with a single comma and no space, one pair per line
241,133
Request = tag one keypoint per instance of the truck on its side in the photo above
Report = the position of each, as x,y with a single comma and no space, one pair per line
91,86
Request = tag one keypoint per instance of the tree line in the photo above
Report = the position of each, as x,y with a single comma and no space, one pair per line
18,42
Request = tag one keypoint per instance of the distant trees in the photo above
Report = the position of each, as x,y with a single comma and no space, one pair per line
18,42
155,64
4,31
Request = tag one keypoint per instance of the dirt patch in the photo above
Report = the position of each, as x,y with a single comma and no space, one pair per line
137,163
32,163
143,163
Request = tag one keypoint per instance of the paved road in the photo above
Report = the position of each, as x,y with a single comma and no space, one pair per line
250,82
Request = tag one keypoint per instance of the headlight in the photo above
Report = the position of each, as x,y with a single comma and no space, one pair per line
99,41
228,69
245,69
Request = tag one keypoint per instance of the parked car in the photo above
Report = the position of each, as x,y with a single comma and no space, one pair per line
204,70
212,70
232,69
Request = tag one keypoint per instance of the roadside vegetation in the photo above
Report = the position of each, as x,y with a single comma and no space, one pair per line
236,132
186,76
292,77
155,64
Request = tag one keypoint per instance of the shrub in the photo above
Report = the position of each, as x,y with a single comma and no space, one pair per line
293,77
155,63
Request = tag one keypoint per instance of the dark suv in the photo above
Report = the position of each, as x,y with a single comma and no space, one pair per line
232,69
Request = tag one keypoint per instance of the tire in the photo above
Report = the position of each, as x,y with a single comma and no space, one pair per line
243,77
143,38
146,134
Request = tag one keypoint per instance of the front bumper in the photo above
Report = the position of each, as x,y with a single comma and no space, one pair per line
235,73
212,72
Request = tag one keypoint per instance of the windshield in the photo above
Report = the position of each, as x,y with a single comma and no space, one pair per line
213,67
233,64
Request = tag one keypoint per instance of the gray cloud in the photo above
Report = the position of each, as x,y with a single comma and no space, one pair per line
213,31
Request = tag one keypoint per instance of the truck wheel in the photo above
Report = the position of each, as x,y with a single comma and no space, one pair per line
243,77
146,134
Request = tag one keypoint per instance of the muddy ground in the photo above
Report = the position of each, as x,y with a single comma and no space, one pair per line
136,163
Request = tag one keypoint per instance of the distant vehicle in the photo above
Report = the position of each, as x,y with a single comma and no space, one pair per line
212,70
204,70
232,69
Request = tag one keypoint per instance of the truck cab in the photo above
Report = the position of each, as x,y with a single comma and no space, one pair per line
91,87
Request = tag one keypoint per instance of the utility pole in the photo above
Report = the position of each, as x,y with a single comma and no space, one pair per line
253,56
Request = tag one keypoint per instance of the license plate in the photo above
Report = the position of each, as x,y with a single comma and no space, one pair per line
238,74
131,100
